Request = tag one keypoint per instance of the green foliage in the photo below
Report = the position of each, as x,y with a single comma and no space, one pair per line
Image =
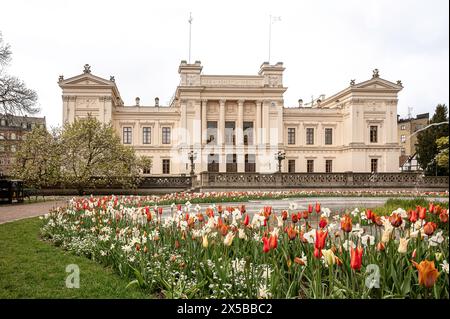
38,159
427,149
442,156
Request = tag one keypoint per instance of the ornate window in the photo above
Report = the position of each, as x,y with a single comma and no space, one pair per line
403,138
250,166
248,133
291,166
291,135
127,135
211,132
328,166
374,165
146,135
328,136
213,162
230,136
166,166
309,136
310,166
166,135
373,134
231,163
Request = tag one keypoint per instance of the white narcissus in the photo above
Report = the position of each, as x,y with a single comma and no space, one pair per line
367,240
310,236
242,234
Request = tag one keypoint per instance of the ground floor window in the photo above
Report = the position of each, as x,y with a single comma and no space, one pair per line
166,166
328,166
374,165
231,163
213,163
250,166
291,166
310,166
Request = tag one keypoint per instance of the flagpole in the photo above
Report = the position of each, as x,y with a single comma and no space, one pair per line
190,27
270,34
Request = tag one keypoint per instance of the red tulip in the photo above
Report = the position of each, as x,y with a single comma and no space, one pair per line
305,215
292,233
246,220
395,219
284,215
422,212
160,210
431,208
310,208
317,252
443,216
414,216
320,239
294,218
266,246
317,208
243,210
323,222
356,257
369,214
273,242
178,207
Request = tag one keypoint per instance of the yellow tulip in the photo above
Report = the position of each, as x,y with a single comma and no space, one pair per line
329,256
403,246
205,241
228,239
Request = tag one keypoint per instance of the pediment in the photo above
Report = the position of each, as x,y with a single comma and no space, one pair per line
378,84
86,80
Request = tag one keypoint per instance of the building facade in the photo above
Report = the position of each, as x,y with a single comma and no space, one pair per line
408,140
238,123
12,129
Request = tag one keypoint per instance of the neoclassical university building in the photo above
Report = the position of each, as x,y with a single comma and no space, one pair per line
238,123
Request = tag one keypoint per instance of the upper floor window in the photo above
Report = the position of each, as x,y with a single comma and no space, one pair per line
3,122
403,138
146,135
211,132
13,136
127,135
230,137
248,133
309,136
373,134
328,136
166,135
291,136
403,127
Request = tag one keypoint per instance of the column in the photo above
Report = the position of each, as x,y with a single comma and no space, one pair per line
183,126
258,123
204,122
265,122
221,137
156,134
240,124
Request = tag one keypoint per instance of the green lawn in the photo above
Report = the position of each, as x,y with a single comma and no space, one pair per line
31,268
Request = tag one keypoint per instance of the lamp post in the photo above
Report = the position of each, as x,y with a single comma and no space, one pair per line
279,157
192,156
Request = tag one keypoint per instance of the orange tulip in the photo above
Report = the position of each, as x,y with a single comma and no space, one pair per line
273,242
292,233
380,246
395,219
356,258
284,215
428,274
305,215
429,228
346,223
422,212
414,216
243,210
321,236
299,261
294,218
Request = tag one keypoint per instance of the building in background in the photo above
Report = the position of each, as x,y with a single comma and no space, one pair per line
238,123
12,129
407,141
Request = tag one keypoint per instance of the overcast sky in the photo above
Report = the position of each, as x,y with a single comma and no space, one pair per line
323,45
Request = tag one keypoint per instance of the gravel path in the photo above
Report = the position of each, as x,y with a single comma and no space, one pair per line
9,213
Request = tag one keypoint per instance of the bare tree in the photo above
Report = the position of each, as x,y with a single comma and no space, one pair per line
15,97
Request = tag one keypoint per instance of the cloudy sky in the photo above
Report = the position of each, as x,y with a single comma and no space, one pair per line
323,45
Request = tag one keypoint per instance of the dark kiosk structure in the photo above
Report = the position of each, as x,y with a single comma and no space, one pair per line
11,190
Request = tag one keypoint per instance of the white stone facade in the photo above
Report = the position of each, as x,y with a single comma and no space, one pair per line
352,130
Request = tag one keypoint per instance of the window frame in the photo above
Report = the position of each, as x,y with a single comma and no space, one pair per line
127,135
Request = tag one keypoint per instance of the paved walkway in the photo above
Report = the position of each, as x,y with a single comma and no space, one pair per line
9,213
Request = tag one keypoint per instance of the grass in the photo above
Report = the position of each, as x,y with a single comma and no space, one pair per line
31,268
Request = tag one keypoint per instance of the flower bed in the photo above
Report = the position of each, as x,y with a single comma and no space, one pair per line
223,252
